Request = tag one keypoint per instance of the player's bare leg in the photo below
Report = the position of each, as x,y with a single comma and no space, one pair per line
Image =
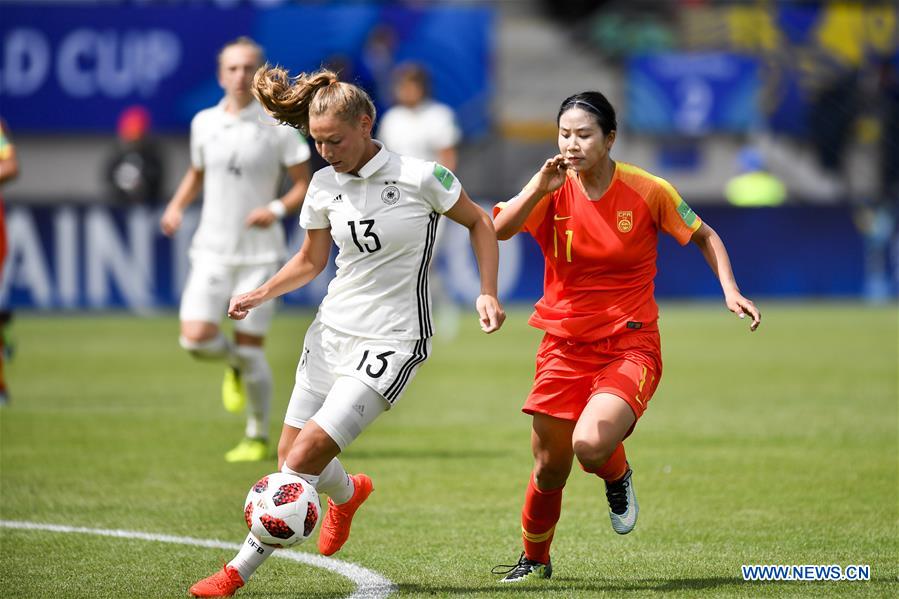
312,447
597,442
553,455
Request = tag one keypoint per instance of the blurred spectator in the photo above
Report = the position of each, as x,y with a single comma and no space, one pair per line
134,171
832,120
877,219
418,126
9,163
373,73
889,150
9,170
568,10
890,159
342,64
754,186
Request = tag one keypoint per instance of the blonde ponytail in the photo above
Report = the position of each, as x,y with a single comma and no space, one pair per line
292,100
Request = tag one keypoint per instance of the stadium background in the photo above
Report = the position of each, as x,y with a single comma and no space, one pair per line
812,87
692,91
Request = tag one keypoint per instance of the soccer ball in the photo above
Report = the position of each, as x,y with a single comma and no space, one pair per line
282,509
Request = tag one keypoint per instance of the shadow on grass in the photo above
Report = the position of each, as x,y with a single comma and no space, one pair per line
294,594
561,585
418,454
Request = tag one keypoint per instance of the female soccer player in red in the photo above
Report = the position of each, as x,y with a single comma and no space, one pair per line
597,222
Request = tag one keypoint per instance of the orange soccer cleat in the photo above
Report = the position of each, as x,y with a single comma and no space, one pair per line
223,583
336,527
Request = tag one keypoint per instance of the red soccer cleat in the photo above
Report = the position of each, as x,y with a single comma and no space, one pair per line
223,583
336,527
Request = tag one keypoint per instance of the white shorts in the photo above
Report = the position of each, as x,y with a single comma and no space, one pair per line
211,286
348,409
385,366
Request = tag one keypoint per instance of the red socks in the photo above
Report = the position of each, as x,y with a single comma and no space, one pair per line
614,468
538,520
542,509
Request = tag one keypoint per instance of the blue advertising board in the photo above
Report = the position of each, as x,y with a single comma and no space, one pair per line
693,94
99,257
74,67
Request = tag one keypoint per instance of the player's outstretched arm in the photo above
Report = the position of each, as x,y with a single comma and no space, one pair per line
549,178
712,248
186,193
299,270
486,250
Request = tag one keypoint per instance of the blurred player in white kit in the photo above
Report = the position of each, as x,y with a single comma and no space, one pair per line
238,157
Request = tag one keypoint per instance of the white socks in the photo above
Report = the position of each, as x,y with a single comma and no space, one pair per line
216,348
254,552
312,479
257,379
251,555
254,372
335,482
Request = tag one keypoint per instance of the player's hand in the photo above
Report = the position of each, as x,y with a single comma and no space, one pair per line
171,220
552,174
743,307
490,313
241,305
261,217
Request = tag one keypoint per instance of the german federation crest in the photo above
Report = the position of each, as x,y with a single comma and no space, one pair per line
390,195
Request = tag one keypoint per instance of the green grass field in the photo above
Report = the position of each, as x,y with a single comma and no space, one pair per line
778,447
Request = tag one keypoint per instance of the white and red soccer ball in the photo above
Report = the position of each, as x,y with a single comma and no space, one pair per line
282,510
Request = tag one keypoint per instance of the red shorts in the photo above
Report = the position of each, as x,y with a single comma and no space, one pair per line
569,373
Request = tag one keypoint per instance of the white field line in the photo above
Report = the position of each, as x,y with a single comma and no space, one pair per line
369,585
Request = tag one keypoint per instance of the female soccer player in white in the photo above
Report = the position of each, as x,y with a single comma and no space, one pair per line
373,329
238,156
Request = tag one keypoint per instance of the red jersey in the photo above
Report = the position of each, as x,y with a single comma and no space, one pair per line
601,255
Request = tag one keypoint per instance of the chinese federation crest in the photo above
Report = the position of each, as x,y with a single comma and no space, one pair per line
625,221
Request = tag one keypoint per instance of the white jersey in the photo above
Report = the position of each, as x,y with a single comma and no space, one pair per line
421,132
241,156
384,223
